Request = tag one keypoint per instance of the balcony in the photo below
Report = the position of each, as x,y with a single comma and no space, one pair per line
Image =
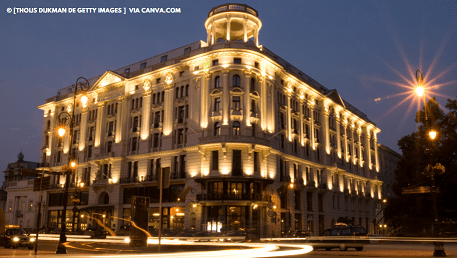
311,184
129,180
225,197
104,155
300,182
178,175
150,178
322,186
234,138
101,181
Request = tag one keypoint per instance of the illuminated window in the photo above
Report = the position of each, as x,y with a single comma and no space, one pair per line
217,129
236,103
217,104
236,128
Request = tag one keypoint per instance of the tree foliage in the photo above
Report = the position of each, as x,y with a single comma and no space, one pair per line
423,157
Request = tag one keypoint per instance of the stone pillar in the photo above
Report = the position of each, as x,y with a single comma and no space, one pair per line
145,122
271,107
208,98
326,134
375,142
208,37
302,137
124,125
119,119
338,137
203,100
225,97
213,34
263,103
168,111
100,125
245,34
288,117
82,130
368,149
311,111
247,99
256,36
359,132
228,29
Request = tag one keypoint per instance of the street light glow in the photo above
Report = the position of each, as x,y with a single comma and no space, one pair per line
84,99
61,131
432,134
73,163
420,91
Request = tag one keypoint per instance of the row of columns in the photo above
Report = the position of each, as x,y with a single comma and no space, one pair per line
211,33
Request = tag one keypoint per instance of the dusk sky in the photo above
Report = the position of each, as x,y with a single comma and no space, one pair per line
364,49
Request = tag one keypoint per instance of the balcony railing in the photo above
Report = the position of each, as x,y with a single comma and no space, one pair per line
311,183
150,178
234,138
178,175
214,197
127,180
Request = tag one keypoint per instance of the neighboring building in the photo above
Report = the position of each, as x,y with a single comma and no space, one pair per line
20,198
388,160
251,141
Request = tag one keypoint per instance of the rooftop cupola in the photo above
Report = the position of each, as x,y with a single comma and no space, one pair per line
233,22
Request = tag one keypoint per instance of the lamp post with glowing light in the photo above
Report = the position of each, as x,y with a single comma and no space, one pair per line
65,118
430,171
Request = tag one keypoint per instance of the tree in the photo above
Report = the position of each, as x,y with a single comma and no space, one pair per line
419,151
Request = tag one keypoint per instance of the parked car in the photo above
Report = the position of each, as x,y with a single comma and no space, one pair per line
341,236
297,234
16,237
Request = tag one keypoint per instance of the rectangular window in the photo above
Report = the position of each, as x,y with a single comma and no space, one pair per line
237,60
215,160
256,162
127,70
236,103
158,81
135,126
182,164
256,65
180,114
321,202
297,200
134,140
109,146
187,50
163,58
309,198
217,104
215,62
180,136
156,140
143,65
89,151
181,73
236,163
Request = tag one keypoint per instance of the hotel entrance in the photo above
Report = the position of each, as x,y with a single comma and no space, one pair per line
231,218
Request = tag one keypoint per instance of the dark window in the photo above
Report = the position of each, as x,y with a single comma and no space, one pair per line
216,62
252,85
158,81
187,50
89,151
215,160
237,60
256,65
236,163
256,162
236,81
127,70
181,73
252,106
163,58
321,202
109,146
177,92
187,90
217,129
217,104
236,103
297,200
156,140
134,140
236,128
143,65
180,136
309,197
217,82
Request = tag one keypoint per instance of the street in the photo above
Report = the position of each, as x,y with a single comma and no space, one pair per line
215,249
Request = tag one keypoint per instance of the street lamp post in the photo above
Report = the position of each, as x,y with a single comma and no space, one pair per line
61,248
430,171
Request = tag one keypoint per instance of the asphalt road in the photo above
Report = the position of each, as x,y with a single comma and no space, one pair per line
93,249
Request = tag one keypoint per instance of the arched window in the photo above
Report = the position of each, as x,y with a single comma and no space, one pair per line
217,82
236,81
236,128
217,129
252,86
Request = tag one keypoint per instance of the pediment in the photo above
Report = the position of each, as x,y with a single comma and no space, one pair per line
333,95
107,78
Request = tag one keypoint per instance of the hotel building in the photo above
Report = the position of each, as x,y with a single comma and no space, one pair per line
251,141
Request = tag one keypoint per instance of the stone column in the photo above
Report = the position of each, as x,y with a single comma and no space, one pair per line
119,119
247,99
256,36
213,34
145,122
302,140
338,137
326,134
225,97
168,110
346,156
125,117
288,117
311,111
208,37
359,132
263,101
245,34
368,149
82,130
100,125
376,152
228,29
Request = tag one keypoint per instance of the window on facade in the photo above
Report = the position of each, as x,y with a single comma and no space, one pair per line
320,202
236,81
163,58
187,89
297,200
282,141
109,146
236,103
236,163
187,50
256,162
217,82
236,128
180,136
143,65
215,160
253,130
177,92
91,133
134,142
252,106
136,124
127,70
89,151
256,65
309,198
75,137
252,85
282,120
215,62
217,104
180,114
217,129
59,155
237,60
156,140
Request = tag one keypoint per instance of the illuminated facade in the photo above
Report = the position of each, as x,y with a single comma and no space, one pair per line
251,141
388,160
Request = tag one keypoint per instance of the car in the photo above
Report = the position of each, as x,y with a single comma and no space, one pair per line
341,236
297,234
16,237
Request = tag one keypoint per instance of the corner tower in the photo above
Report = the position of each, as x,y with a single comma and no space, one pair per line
233,22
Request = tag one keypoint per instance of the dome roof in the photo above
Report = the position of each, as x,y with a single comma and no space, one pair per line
20,156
